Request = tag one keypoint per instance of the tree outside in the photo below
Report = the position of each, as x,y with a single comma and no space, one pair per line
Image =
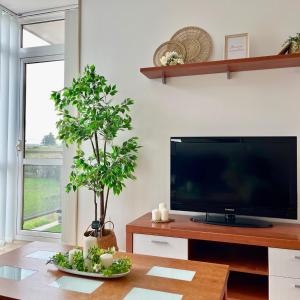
49,140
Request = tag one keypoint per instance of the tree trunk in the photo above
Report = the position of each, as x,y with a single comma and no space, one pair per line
96,206
102,211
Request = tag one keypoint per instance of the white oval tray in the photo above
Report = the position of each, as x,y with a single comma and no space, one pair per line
88,274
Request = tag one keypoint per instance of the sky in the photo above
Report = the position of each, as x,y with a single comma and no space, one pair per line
41,80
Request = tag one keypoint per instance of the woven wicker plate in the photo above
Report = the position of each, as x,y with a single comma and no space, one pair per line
160,221
168,47
197,42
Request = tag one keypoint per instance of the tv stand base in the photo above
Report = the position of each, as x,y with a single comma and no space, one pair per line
231,220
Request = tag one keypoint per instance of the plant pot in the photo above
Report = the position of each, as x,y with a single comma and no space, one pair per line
294,48
107,240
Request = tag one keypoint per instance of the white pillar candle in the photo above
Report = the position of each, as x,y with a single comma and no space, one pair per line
162,206
155,215
88,242
164,214
71,254
106,259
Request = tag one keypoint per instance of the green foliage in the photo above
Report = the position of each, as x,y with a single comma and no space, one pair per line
90,94
119,165
295,38
121,265
98,121
61,259
78,262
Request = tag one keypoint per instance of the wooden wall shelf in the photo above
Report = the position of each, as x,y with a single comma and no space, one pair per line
223,66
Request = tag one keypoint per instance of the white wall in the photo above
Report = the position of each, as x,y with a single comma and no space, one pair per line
119,37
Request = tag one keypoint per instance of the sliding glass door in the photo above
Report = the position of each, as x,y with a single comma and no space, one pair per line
41,154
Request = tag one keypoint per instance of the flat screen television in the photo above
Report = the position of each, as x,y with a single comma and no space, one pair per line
249,176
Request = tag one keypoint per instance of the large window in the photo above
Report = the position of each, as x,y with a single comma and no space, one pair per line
41,156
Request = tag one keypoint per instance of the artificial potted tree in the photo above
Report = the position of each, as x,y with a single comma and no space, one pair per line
98,121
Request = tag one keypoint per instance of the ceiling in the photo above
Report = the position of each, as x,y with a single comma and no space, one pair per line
23,6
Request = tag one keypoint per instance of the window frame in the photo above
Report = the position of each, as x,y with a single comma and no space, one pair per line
27,56
35,23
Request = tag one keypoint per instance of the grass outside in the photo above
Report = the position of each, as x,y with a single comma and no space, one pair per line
41,195
40,221
55,229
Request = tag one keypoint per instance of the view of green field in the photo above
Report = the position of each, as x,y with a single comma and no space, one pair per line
39,151
41,195
55,229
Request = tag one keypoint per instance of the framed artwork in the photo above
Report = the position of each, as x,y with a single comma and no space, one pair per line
236,46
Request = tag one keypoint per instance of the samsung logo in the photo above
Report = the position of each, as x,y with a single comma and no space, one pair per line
230,209
176,140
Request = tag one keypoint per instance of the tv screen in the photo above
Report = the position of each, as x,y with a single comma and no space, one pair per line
254,176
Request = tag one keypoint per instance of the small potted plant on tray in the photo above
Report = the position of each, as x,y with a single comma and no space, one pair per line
98,121
291,45
294,43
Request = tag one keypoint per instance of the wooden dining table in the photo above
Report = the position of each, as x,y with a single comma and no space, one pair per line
209,281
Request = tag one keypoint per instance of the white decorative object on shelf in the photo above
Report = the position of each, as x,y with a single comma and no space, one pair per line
236,46
164,214
171,58
155,215
162,205
161,215
88,242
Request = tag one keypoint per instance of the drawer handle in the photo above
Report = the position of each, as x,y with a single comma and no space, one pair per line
297,286
160,242
297,257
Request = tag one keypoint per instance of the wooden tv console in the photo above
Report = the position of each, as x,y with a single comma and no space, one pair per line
264,262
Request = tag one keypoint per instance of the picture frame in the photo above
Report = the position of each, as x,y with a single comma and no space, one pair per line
236,46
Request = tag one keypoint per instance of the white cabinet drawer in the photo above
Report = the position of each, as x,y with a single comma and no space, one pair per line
163,246
281,288
284,262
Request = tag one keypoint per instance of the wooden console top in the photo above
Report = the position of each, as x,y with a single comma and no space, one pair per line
281,235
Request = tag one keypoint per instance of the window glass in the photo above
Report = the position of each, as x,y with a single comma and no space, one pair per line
42,198
40,118
43,152
43,34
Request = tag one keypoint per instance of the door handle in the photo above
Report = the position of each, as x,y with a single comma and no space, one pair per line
160,242
19,146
